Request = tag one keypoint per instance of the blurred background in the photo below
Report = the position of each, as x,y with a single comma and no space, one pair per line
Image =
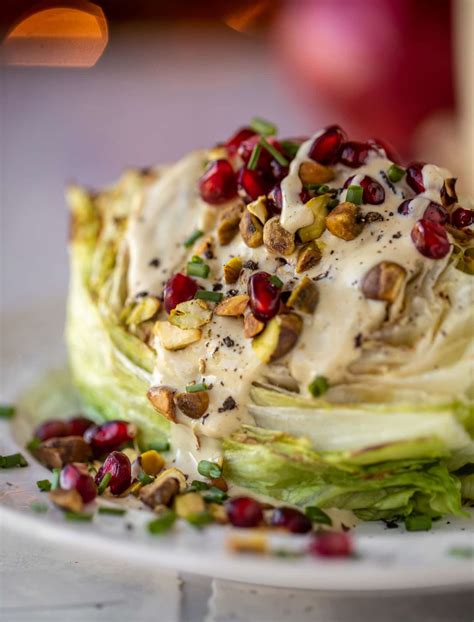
89,88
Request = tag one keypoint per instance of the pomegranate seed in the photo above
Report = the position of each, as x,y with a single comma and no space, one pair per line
332,544
252,184
110,435
414,176
373,194
52,429
119,467
244,512
179,288
275,198
75,476
236,139
354,154
78,425
305,195
278,171
388,150
265,158
264,296
404,207
291,519
218,184
430,239
325,148
461,217
436,213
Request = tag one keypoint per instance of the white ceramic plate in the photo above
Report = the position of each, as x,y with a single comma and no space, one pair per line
385,560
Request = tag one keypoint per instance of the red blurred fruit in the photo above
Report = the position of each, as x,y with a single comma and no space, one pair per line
353,153
332,544
252,184
52,429
236,139
244,512
291,519
404,207
373,194
414,176
325,148
264,296
110,435
275,198
78,425
385,149
436,213
218,184
461,218
265,158
179,288
75,476
120,469
430,239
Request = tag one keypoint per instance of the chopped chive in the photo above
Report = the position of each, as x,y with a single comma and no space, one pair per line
263,127
316,515
254,156
194,268
112,511
274,280
159,446
318,386
333,203
290,148
395,173
194,388
104,482
211,470
6,411
37,506
33,444
55,478
354,194
80,516
44,485
199,519
318,188
192,238
203,294
145,479
13,460
197,259
197,485
462,552
279,157
418,523
215,495
163,523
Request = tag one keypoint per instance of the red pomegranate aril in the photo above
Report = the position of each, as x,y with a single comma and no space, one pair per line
414,176
436,213
264,296
353,153
252,184
110,435
120,469
179,288
275,198
244,512
404,208
75,476
462,218
218,184
305,195
244,133
430,239
78,425
332,544
389,151
278,171
325,148
265,158
53,428
291,519
373,192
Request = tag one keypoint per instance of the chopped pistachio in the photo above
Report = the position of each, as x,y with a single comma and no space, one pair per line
252,326
279,337
251,230
249,542
143,310
233,306
259,209
173,337
205,247
56,452
384,281
319,207
228,223
193,405
277,239
161,492
448,192
314,173
151,462
162,398
345,221
304,297
309,255
189,503
67,499
218,513
190,314
232,270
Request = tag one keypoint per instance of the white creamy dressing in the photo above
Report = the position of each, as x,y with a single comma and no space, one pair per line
171,209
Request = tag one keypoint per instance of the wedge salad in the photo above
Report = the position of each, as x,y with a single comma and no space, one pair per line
297,310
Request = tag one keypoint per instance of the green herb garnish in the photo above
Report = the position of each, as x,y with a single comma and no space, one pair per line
104,482
112,511
279,157
197,485
55,478
215,495
199,519
201,270
79,516
192,238
263,127
418,523
159,446
318,386
316,515
203,294
290,148
462,552
163,523
274,280
354,194
13,460
7,411
318,188
33,444
395,173
254,156
211,470
145,479
37,506
194,388
44,485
